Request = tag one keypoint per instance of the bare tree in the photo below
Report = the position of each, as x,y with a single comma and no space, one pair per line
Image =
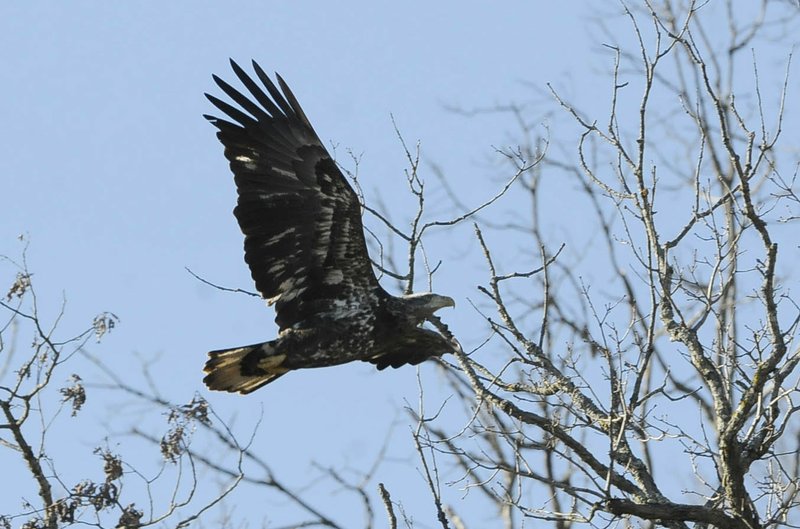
114,488
115,493
665,347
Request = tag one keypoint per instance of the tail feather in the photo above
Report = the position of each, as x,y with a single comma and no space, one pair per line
243,369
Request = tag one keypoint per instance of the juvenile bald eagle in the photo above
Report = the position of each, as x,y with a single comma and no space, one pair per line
304,244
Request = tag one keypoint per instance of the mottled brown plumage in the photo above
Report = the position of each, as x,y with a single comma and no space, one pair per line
304,244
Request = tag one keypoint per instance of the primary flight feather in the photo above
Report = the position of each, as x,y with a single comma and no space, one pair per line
304,244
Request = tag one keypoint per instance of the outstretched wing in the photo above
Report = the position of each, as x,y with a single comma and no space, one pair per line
304,241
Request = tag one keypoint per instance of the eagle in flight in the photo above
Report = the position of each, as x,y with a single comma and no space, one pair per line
304,244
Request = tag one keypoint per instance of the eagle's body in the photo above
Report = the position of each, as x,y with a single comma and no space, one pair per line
304,244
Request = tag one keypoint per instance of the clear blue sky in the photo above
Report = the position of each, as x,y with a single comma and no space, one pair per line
109,168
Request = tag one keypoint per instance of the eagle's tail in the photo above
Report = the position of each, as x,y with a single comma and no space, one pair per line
243,369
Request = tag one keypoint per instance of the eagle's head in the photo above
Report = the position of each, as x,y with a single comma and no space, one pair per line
423,304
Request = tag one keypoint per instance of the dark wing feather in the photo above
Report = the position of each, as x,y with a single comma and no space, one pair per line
304,241
411,347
